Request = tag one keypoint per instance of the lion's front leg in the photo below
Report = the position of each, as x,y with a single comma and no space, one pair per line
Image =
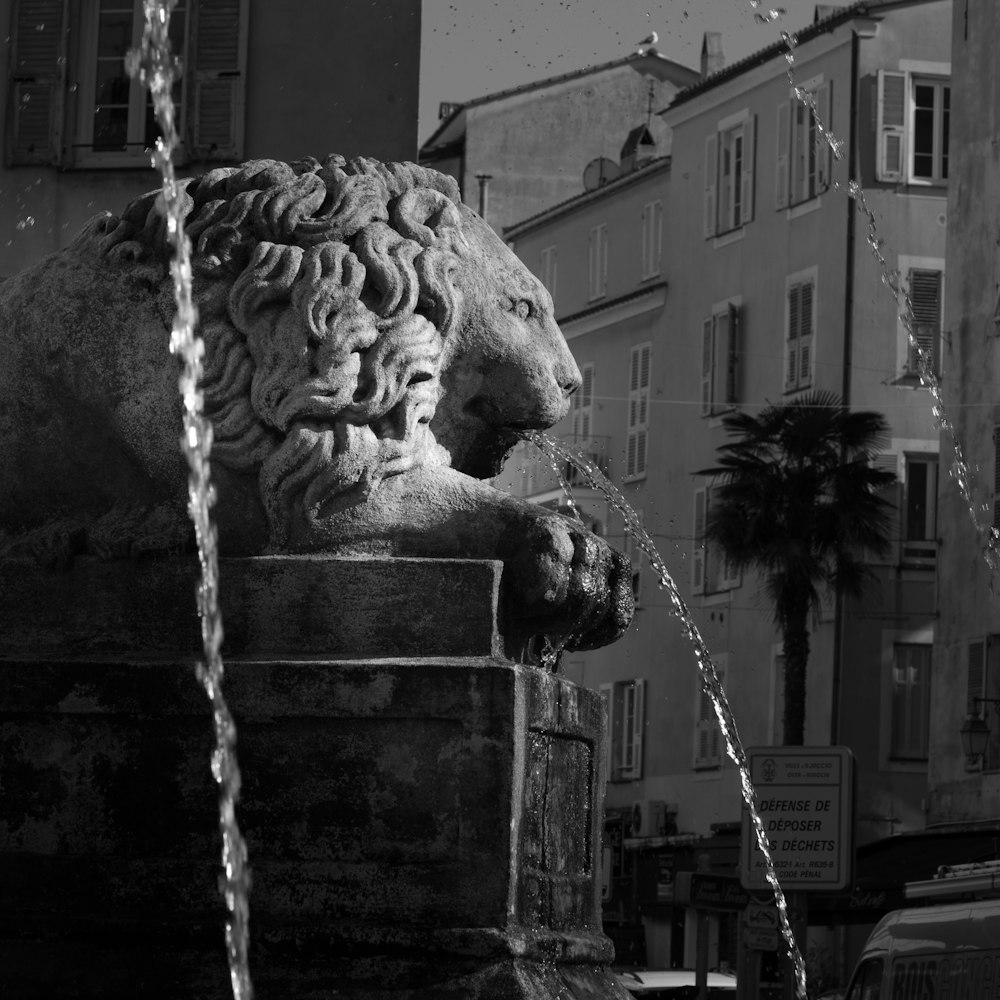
559,580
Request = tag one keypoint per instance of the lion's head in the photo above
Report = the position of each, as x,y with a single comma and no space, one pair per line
358,320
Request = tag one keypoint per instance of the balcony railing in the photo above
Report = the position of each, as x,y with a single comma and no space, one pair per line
538,475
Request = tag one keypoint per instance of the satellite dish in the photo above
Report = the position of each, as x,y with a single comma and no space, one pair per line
599,171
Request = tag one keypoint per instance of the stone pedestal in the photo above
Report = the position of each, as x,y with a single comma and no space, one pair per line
422,815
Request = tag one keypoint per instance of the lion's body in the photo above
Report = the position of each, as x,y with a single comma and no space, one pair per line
369,342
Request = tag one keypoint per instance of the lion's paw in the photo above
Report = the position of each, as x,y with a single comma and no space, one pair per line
565,583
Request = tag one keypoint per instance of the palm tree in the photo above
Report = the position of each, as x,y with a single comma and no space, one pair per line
797,497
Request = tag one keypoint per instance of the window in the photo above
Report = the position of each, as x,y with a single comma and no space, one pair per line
983,681
652,238
711,571
729,159
803,156
624,704
720,337
924,288
867,981
911,701
633,552
598,261
113,123
919,510
548,270
638,411
708,743
800,327
913,113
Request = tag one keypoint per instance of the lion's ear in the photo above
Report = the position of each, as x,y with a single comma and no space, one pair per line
426,216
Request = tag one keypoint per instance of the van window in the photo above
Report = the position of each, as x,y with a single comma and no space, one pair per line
867,981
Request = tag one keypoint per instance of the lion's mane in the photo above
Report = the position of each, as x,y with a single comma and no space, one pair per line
325,293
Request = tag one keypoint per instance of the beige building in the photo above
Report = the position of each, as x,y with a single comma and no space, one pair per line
734,274
520,151
263,80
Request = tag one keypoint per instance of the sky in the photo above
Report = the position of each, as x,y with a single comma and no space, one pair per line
475,47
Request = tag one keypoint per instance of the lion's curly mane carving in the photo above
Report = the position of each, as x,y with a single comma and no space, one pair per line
326,296
372,352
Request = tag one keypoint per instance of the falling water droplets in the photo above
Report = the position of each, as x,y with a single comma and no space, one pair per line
560,454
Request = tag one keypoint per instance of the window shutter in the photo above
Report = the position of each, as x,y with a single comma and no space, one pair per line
699,547
781,156
706,365
732,355
657,236
711,181
638,722
925,302
996,476
792,343
746,180
219,46
720,370
806,334
36,83
976,675
888,462
824,155
890,125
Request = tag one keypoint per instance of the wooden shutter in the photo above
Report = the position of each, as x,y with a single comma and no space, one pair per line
219,48
806,334
889,462
891,122
707,328
925,302
732,356
638,410
36,82
824,155
792,340
699,547
975,675
781,155
583,405
634,694
711,183
720,370
746,180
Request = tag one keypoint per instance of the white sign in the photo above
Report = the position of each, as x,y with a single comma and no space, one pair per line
804,795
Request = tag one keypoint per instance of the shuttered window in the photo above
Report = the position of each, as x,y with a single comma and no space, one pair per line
912,125
633,552
37,83
598,261
729,177
910,701
708,742
583,406
711,571
548,270
721,334
800,334
652,238
891,126
114,124
624,703
926,304
638,411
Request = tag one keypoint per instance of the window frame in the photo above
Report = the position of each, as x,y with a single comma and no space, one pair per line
739,211
983,681
905,748
708,750
800,144
705,580
635,555
652,239
895,123
919,545
637,429
598,262
713,376
624,704
804,372
907,363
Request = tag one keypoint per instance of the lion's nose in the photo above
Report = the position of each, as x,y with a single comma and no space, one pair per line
568,376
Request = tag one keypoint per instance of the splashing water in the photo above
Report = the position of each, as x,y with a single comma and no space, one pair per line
558,452
156,67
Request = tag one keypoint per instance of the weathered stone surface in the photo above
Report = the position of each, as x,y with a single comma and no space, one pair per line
418,826
373,350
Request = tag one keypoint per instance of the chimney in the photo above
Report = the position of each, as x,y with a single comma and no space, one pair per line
712,59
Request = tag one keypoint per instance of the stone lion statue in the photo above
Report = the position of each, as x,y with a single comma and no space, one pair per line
373,351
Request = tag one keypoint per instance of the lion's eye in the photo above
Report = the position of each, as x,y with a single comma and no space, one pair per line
522,308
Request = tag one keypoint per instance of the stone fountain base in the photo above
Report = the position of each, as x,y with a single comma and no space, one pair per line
422,814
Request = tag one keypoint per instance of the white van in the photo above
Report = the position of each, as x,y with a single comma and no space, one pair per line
943,952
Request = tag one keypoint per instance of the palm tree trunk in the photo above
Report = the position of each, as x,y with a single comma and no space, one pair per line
795,642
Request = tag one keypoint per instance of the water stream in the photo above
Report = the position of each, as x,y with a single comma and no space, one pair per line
154,64
560,453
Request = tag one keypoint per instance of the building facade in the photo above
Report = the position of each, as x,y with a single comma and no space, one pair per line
764,287
520,151
262,80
